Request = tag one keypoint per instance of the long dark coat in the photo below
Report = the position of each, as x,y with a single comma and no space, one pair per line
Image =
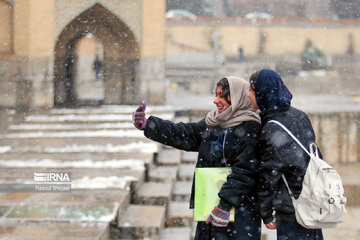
280,154
234,147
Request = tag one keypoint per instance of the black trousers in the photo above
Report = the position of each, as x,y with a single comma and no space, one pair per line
247,226
294,231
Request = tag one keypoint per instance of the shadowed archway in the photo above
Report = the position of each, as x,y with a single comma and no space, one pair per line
121,56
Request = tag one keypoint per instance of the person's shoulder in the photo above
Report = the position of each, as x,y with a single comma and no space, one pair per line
297,112
294,117
250,128
251,125
269,128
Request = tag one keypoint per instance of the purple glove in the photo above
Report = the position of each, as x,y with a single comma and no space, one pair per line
139,119
218,217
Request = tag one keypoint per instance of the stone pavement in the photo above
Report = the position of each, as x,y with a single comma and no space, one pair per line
108,160
124,186
349,229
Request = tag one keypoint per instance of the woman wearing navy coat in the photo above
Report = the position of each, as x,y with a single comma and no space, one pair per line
280,154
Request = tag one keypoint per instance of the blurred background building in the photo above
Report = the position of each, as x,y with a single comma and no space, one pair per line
40,43
47,49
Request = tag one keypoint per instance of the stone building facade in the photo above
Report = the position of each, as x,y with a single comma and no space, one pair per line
38,39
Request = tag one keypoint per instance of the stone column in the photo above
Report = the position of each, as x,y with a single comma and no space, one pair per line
33,50
151,73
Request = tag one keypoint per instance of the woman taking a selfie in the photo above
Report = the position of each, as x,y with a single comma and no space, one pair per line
226,137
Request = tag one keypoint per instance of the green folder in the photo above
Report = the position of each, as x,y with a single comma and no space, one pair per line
208,182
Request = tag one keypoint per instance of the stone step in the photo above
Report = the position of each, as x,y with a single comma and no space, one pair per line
179,215
102,212
81,178
77,196
178,233
80,205
131,164
103,109
87,147
163,174
182,191
141,221
38,144
73,156
110,109
19,230
189,157
153,193
51,127
86,118
169,157
186,172
79,134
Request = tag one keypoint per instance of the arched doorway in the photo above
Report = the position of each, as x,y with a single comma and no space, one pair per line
89,84
120,57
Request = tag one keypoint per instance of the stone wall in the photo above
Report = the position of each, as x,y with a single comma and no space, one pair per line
40,37
6,27
277,39
337,134
9,75
26,83
151,79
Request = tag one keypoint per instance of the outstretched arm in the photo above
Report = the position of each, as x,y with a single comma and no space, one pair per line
185,136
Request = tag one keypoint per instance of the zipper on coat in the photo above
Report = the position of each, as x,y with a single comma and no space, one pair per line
224,147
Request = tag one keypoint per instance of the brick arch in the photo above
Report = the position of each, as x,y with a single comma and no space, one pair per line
121,54
128,12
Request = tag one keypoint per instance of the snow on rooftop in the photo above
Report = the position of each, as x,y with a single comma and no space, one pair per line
132,164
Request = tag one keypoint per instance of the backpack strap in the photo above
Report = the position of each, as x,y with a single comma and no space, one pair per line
298,142
292,135
288,188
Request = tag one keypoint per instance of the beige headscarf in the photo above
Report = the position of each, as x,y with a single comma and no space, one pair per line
240,109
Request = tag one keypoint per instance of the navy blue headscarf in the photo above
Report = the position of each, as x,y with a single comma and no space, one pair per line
271,92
